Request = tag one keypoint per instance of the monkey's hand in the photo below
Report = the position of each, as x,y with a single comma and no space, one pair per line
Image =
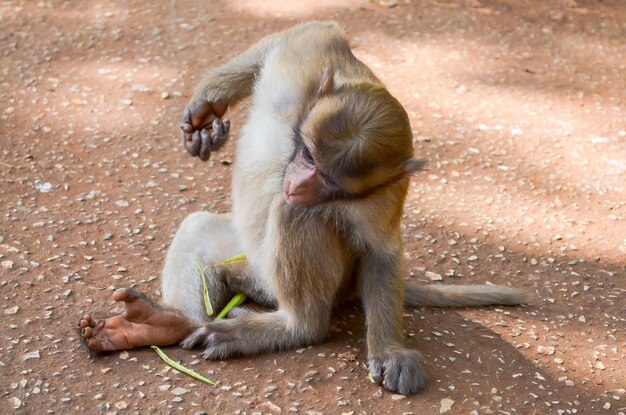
219,339
244,333
399,370
203,129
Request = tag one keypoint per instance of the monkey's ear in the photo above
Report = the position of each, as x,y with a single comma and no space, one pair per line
413,166
328,83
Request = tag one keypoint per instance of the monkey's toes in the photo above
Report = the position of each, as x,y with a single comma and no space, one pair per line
87,332
86,321
100,345
127,294
89,327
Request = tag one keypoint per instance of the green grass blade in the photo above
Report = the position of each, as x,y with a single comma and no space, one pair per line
208,307
234,260
236,301
180,367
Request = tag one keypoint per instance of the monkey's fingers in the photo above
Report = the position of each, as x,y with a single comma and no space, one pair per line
220,133
196,338
218,127
205,145
187,130
220,350
376,371
186,127
185,122
239,312
400,370
192,142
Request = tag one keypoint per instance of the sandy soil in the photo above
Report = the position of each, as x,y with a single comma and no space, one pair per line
519,105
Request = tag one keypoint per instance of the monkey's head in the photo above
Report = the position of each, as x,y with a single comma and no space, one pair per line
354,140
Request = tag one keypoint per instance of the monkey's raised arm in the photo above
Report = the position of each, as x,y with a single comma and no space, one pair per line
203,129
226,85
230,83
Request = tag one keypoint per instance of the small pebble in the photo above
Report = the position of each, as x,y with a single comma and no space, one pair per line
11,310
31,355
16,403
446,405
179,391
545,350
433,276
121,405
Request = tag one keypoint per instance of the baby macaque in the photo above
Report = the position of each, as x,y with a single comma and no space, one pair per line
321,174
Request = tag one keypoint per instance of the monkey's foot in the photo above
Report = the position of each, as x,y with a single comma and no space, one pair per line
143,323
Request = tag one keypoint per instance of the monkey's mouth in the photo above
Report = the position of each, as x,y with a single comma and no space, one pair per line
299,199
288,198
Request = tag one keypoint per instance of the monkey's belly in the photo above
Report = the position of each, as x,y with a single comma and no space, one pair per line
263,151
257,186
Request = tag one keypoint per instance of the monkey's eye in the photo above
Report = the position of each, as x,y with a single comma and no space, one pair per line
307,156
330,182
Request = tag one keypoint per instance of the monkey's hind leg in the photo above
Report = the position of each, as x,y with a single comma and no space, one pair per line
206,239
202,238
307,280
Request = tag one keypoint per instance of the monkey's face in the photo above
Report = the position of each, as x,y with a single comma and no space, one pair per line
313,176
345,151
303,183
334,161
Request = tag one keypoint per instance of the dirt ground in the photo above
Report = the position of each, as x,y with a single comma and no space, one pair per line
519,105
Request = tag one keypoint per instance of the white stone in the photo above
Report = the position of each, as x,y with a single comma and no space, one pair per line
446,405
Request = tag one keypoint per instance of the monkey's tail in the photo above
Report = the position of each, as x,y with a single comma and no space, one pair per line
461,295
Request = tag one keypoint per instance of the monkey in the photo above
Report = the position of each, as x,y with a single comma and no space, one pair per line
322,169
